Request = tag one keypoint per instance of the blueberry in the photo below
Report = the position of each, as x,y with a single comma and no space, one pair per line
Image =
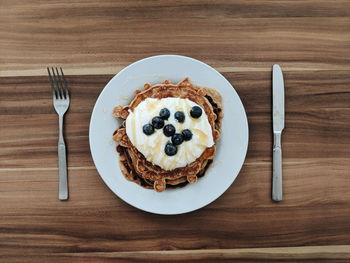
187,134
169,130
196,112
158,122
170,149
180,116
148,129
177,139
164,114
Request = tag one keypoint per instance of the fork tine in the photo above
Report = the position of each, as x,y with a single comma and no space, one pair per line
60,84
54,91
65,83
57,85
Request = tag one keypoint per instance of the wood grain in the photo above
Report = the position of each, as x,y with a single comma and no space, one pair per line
291,254
92,40
316,170
89,37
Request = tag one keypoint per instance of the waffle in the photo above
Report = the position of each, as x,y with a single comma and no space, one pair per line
134,165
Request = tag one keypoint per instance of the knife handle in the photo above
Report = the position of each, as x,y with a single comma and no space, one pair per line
277,168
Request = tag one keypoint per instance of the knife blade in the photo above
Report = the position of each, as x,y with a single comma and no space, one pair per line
278,126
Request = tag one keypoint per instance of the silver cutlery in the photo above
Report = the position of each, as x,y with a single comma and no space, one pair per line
278,126
60,96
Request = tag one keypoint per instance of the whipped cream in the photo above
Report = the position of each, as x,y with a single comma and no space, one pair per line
152,146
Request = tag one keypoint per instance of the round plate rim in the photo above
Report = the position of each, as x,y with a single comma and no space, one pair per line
121,72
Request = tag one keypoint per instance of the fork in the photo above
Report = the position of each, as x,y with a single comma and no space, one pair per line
60,96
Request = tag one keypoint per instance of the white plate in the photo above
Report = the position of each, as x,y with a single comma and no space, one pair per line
231,150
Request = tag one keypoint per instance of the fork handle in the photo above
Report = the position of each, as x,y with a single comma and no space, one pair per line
62,164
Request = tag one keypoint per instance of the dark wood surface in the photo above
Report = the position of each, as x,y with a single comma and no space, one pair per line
92,40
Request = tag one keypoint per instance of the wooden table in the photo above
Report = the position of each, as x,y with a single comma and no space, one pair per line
93,40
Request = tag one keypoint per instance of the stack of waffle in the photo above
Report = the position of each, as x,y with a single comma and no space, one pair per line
134,165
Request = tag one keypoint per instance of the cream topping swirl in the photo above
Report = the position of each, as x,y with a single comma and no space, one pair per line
152,146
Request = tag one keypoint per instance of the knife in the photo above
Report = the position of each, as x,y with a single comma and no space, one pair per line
278,126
